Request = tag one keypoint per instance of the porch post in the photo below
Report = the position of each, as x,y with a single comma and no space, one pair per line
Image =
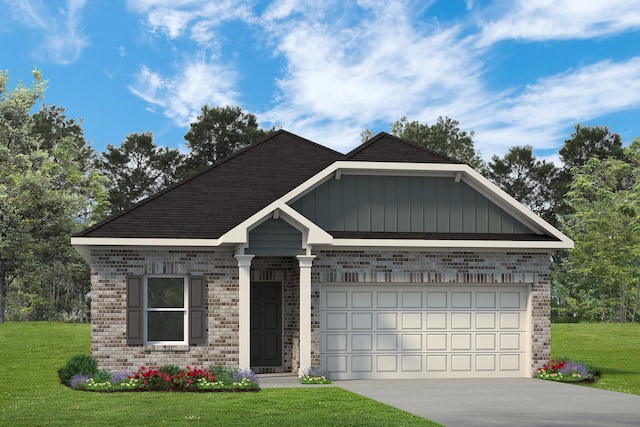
305,311
244,310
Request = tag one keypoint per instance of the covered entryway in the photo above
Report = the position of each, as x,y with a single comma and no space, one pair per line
424,331
266,325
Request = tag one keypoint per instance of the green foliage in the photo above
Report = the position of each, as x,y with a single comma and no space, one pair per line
48,190
137,169
171,370
600,276
444,137
78,364
218,133
223,373
525,178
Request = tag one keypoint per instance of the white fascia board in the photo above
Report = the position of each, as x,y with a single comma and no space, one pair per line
84,244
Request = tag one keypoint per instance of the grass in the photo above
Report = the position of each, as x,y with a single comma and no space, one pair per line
31,395
613,349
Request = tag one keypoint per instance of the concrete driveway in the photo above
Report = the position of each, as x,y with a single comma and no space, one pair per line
502,402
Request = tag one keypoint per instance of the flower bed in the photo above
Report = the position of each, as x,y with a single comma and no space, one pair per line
315,376
566,370
165,378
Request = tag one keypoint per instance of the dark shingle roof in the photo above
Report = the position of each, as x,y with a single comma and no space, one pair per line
211,203
388,148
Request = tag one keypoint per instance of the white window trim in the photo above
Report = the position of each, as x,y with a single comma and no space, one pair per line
184,309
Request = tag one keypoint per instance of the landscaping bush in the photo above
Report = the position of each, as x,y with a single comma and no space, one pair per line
315,376
566,370
168,378
78,364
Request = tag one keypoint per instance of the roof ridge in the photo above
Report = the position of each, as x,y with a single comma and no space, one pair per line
383,134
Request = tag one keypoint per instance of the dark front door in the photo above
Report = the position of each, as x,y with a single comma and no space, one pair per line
266,324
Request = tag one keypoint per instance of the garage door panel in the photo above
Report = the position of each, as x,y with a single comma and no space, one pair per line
413,331
387,300
387,320
336,321
460,299
485,320
436,300
461,320
412,321
412,300
436,321
362,342
362,321
362,300
412,342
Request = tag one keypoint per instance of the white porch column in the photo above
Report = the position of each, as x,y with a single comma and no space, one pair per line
244,309
305,311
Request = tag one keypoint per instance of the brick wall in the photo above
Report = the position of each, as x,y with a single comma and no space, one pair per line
473,268
111,268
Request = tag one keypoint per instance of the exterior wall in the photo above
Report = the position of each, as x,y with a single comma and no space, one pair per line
482,268
110,269
404,204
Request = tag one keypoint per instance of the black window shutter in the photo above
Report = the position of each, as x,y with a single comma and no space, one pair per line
134,310
197,311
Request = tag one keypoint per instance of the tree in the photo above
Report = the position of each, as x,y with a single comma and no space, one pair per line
137,169
601,275
45,195
443,137
526,179
218,133
586,142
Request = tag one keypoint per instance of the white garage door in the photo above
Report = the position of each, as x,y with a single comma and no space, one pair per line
407,331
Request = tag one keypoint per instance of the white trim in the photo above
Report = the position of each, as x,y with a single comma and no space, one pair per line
184,310
244,310
305,262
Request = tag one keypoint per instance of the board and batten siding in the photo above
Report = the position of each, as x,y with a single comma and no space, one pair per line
275,237
404,204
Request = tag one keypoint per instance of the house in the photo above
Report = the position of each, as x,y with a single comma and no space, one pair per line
388,262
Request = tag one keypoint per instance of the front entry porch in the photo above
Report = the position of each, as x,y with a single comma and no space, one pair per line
275,313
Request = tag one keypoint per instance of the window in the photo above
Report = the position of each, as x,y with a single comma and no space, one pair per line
165,318
166,310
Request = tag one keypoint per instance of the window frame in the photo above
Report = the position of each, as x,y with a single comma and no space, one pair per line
184,309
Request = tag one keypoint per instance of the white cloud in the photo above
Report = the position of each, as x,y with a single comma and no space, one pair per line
63,37
182,95
540,115
380,67
561,19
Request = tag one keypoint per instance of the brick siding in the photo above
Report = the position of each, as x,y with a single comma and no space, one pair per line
110,268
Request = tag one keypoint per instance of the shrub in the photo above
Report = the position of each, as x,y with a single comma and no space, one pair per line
119,377
78,364
315,376
566,370
223,374
79,381
170,369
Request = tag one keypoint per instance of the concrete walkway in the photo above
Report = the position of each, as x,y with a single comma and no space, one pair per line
494,402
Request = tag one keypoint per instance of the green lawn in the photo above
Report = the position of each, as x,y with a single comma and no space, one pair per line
30,394
614,349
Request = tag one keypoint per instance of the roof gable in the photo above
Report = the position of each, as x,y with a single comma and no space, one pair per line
210,203
388,148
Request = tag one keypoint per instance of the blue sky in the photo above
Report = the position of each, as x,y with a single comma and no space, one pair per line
515,72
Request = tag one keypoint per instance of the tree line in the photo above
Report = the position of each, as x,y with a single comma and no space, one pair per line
53,184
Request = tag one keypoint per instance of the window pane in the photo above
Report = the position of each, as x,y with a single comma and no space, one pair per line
165,292
165,326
